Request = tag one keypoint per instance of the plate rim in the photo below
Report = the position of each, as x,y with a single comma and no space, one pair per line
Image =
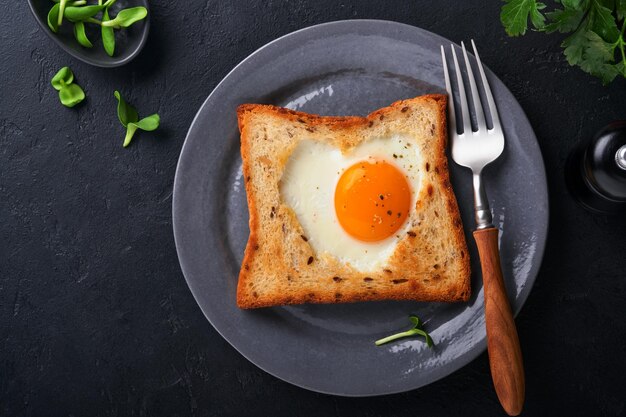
481,345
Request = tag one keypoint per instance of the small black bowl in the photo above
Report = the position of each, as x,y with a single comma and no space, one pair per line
128,41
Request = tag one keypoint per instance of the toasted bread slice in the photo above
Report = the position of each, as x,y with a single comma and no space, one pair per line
430,261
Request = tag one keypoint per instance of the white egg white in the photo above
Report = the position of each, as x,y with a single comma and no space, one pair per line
308,187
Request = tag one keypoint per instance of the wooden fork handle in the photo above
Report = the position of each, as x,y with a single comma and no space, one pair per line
505,355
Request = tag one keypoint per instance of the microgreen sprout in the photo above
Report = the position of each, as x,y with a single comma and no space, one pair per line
80,13
81,36
130,119
108,36
53,18
62,5
415,330
70,94
127,17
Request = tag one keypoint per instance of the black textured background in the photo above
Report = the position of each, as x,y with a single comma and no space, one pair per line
95,316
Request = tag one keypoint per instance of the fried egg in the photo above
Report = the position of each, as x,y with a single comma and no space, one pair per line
354,206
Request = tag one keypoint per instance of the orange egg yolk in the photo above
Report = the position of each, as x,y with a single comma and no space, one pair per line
372,200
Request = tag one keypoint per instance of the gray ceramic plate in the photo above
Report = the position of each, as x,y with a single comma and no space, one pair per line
346,68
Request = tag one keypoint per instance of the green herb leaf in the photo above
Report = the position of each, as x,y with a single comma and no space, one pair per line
415,330
597,58
71,95
574,47
80,12
125,112
595,38
149,123
429,340
604,23
127,17
81,36
565,20
53,18
76,14
128,118
108,36
596,49
515,14
416,322
130,131
62,5
621,9
62,78
588,50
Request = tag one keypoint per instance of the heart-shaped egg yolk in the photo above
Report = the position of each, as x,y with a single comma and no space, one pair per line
372,200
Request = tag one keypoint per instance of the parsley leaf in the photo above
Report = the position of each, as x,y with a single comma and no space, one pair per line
574,47
604,23
575,4
596,57
565,20
597,39
621,9
515,14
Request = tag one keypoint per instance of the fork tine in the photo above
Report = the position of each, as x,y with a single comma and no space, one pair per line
478,108
452,121
492,105
465,114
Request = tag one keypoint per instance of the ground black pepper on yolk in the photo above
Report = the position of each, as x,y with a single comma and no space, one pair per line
372,200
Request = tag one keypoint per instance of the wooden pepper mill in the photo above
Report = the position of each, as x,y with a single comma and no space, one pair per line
595,172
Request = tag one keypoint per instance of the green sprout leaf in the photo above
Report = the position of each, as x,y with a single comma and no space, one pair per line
76,14
81,36
108,37
149,123
72,3
515,14
415,330
71,95
130,120
127,17
81,13
53,18
62,5
130,131
62,78
125,112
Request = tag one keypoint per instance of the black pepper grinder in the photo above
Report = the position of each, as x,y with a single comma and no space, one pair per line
595,172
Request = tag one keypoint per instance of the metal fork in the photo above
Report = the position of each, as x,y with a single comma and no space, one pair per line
474,150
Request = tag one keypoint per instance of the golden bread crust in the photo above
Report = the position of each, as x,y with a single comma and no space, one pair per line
279,267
